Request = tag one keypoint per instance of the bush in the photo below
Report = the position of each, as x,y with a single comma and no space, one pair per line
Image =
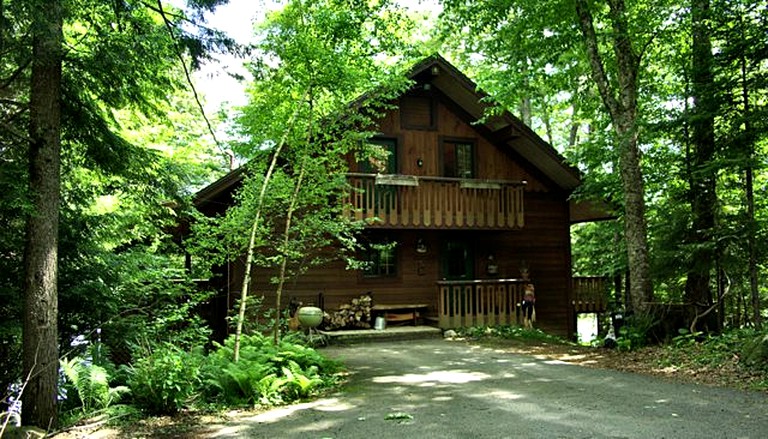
265,373
165,380
634,334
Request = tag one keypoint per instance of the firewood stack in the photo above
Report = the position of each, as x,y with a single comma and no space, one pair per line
354,315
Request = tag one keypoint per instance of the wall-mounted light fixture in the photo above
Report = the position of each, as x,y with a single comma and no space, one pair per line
419,163
421,246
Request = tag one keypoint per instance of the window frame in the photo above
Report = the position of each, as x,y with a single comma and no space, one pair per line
392,144
472,142
368,251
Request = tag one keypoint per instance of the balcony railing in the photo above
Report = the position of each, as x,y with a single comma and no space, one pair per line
435,202
590,294
479,302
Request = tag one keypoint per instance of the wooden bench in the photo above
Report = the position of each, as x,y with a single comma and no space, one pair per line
399,312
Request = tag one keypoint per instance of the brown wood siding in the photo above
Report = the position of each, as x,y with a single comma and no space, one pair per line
492,162
542,244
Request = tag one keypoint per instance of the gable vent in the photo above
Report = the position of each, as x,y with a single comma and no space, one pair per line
417,112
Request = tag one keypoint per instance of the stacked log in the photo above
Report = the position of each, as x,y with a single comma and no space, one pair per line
353,315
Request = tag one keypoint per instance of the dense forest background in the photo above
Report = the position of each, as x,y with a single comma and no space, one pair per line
662,105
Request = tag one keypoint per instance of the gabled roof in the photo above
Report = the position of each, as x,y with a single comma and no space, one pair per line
504,129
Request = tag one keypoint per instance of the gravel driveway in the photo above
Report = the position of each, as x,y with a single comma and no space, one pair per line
449,389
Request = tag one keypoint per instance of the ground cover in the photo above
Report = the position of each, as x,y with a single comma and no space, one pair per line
715,362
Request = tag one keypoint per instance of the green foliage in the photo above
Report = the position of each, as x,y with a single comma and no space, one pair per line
729,352
266,374
635,332
89,383
165,379
132,143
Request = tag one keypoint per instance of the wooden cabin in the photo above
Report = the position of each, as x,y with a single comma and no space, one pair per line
469,210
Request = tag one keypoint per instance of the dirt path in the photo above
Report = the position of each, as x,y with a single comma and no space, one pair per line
436,388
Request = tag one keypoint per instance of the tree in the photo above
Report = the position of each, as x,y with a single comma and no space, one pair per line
70,99
621,103
702,170
315,58
41,353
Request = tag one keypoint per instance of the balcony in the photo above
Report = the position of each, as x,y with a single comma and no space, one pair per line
408,201
479,302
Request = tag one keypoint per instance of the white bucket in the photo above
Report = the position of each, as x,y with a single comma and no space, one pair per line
380,324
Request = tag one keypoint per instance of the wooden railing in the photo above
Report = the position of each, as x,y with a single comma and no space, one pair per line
479,302
435,202
590,294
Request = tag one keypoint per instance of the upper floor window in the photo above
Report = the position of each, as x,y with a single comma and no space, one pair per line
458,159
383,163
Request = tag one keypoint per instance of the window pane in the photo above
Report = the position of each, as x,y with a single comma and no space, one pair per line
458,160
464,160
381,260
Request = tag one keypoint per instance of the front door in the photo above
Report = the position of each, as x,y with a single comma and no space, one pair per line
457,261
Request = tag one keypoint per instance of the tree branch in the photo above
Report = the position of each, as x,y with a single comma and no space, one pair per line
15,74
188,76
696,318
595,60
627,59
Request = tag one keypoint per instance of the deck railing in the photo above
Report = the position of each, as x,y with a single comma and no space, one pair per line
479,302
435,202
590,294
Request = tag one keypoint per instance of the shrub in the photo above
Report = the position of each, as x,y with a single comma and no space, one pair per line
165,380
634,334
266,373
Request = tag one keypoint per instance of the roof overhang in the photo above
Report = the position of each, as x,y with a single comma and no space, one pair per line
506,128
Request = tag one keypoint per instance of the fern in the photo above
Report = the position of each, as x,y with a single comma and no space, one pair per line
91,384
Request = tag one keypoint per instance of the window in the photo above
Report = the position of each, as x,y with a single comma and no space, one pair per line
381,259
458,159
387,165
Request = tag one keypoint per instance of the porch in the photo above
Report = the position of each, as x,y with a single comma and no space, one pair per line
493,302
435,202
479,302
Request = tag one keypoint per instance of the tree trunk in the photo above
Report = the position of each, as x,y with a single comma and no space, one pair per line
702,193
40,334
622,107
750,189
244,292
286,242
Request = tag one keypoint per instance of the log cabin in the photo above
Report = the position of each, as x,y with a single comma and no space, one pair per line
470,208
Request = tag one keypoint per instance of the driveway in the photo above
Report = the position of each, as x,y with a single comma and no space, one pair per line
448,389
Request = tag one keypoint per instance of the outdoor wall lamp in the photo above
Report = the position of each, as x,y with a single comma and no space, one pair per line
421,246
